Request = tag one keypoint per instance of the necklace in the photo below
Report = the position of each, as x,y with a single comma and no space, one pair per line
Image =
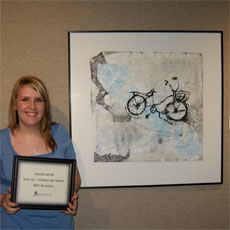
36,153
28,145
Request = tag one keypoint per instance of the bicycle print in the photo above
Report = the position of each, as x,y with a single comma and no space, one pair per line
176,107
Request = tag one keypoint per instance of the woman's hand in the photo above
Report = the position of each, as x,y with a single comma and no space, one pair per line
72,209
8,205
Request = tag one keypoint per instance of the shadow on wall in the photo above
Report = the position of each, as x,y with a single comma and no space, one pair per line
84,218
59,117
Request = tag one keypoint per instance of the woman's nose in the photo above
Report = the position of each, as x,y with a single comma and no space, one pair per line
32,104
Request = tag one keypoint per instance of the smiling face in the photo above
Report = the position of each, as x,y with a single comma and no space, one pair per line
30,107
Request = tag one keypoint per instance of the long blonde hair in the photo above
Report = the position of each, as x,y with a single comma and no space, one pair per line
46,121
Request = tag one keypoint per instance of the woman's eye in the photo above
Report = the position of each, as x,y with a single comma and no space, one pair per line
25,99
39,100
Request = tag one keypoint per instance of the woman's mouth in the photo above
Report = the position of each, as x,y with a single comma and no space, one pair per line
31,114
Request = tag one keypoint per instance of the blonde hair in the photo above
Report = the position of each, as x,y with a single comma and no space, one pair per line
46,121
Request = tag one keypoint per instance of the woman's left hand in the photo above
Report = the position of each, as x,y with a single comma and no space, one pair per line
72,209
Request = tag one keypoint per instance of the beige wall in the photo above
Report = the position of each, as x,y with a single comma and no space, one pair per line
34,41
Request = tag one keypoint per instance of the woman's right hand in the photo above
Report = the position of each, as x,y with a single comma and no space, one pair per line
8,205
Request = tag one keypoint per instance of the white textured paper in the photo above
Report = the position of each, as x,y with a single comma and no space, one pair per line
42,183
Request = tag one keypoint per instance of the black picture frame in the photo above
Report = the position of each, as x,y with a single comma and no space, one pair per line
115,142
42,183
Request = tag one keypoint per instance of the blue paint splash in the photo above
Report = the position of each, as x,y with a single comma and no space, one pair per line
187,146
112,77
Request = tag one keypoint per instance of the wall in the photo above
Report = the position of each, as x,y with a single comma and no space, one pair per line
34,41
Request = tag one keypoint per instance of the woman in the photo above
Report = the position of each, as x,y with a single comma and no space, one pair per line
32,133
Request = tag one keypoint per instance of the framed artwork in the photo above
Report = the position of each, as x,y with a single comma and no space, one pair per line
146,107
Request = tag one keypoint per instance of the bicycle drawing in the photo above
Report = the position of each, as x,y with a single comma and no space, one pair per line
175,107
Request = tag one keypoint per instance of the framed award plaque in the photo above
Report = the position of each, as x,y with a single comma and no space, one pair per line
42,183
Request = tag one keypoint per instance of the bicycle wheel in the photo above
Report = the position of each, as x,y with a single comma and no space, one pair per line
176,111
136,105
